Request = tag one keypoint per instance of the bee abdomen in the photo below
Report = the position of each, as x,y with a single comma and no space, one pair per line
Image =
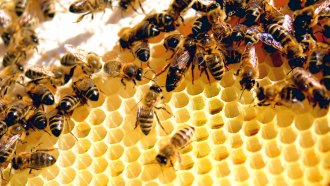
38,120
41,160
69,103
145,119
92,93
69,60
20,6
48,8
183,137
56,123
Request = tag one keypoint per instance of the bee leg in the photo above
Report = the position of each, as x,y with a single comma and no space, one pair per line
163,70
163,108
141,7
160,123
123,82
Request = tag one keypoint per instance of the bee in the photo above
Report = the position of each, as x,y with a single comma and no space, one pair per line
127,71
232,55
20,6
17,111
169,153
124,4
199,6
39,93
34,160
141,31
177,7
248,70
215,63
315,91
60,77
141,50
13,57
253,12
216,14
56,120
171,42
222,32
37,120
146,110
70,102
3,128
201,25
48,8
8,142
9,76
36,72
85,87
326,75
89,7
162,20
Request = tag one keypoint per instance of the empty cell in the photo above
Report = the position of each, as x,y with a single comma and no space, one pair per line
260,178
303,121
181,115
186,163
83,161
265,114
212,91
158,50
223,182
306,139
256,161
203,149
132,137
222,169
98,133
52,183
186,178
101,179
241,173
263,70
196,88
66,159
272,149
35,181
134,182
310,158
251,128
66,141
277,74
99,165
168,177
253,144
133,170
50,173
314,175
216,122
294,170
232,110
132,154
80,113
129,122
322,126
220,153
130,106
234,125
214,106
249,113
114,119
82,146
111,86
229,94
280,180
99,148
228,79
115,151
205,180
112,103
115,136
82,130
218,137
96,117
18,179
180,100
148,142
246,97
67,175
199,118
238,156
323,144
83,178
168,126
128,91
201,134
116,168
197,102
235,140
268,131
275,166
287,135
284,118
291,153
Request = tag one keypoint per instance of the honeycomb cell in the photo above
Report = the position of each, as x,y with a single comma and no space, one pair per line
310,158
83,178
203,149
222,169
231,110
127,92
224,182
204,180
314,175
235,140
216,122
201,134
229,94
98,133
168,177
265,115
112,103
195,89
115,135
197,103
114,119
241,173
251,128
99,165
83,161
284,118
116,167
253,144
181,115
272,149
66,141
100,179
132,137
66,159
214,106
148,142
275,166
287,135
96,117
260,178
238,156
228,79
130,106
67,175
80,113
212,91
263,70
199,118
115,151
277,74
323,144
303,121
50,173
132,154
268,131
257,161
291,153
98,103
306,139
320,126
98,149
295,171
133,170
134,182
52,183
249,113
234,125
82,130
218,137
35,181
180,100
186,178
18,179
186,162
220,153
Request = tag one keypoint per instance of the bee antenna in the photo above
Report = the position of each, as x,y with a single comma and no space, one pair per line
240,97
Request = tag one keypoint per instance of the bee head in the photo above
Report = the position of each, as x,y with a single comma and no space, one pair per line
6,38
161,159
247,83
261,93
123,5
48,99
156,88
139,73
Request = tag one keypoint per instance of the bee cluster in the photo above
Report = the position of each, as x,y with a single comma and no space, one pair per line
224,33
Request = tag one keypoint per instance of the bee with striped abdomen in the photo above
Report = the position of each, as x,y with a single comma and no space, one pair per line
3,128
39,93
215,63
86,7
70,102
20,6
37,120
201,25
56,121
124,4
17,111
177,7
169,153
85,87
141,50
48,8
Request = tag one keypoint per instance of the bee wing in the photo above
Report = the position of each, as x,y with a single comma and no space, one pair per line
77,52
112,68
269,40
181,60
323,6
5,145
287,23
41,69
5,19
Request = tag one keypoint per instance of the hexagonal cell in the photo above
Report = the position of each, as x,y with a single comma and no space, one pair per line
251,128
67,175
198,118
66,141
114,119
83,161
131,138
150,172
260,178
112,103
320,127
80,113
218,137
228,79
18,179
222,169
248,112
82,130
303,121
186,162
212,91
83,178
195,89
66,159
253,144
50,173
204,179
229,94
263,70
197,102
291,153
277,74
268,131
287,135
99,148
180,100
115,151
168,177
133,170
35,181
220,153
275,166
134,182
203,149
235,140
294,171
314,175
234,125
232,110
323,144
265,115
115,135
216,122
181,115
99,165
96,117
98,133
310,158
257,161
132,154
214,106
186,178
272,149
148,142
128,91
306,139
101,179
284,118
238,156
82,146
116,168
241,173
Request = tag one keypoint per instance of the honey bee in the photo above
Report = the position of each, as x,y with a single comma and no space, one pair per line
171,42
85,87
48,8
326,76
162,20
124,4
37,120
56,121
216,14
36,72
89,7
199,6
39,93
9,76
215,63
201,25
8,142
141,50
20,6
17,111
295,4
146,110
248,71
141,31
33,160
222,32
69,103
169,153
306,82
177,7
127,71
253,12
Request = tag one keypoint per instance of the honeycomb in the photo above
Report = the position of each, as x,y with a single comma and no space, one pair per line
236,142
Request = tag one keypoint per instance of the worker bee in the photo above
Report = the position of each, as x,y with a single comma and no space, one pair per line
14,57
126,71
177,7
10,76
295,4
17,111
20,6
89,7
56,121
39,93
306,82
162,20
124,4
37,120
171,42
36,72
326,76
169,153
85,87
141,50
248,70
70,102
33,160
8,142
48,8
201,25
215,63
3,128
146,110
222,32
253,12
216,14
141,31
